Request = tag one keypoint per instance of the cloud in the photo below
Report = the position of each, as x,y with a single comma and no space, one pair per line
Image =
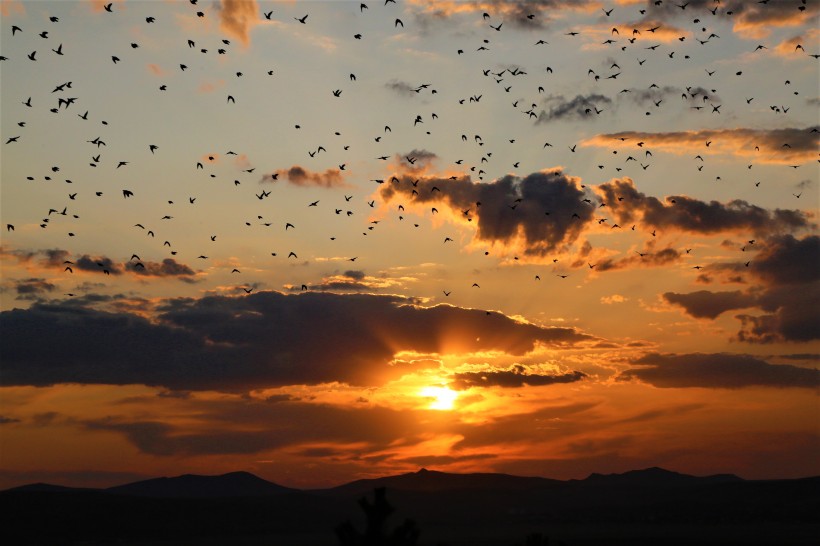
402,88
789,48
541,213
266,425
786,260
786,286
787,146
751,19
237,18
663,32
7,7
707,304
156,69
582,107
721,370
353,281
299,176
648,258
687,214
169,267
261,340
528,14
756,20
32,288
99,5
515,376
99,264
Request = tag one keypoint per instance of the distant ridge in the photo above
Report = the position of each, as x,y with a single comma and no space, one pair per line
657,476
49,488
245,484
432,480
234,484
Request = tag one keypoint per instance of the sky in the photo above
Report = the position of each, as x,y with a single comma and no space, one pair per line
323,241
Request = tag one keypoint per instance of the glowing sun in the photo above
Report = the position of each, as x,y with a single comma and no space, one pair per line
441,398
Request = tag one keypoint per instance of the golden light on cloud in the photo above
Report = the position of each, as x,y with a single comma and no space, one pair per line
441,398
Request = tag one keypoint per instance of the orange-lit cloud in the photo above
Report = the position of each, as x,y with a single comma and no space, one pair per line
156,70
99,5
354,281
238,17
795,47
9,7
756,20
778,146
209,87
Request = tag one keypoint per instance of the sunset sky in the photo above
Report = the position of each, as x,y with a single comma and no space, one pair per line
323,241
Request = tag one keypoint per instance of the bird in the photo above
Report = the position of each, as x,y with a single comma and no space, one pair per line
302,20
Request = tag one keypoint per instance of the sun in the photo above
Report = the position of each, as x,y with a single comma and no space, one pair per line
441,398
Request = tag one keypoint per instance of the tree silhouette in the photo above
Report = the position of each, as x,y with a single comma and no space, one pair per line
375,533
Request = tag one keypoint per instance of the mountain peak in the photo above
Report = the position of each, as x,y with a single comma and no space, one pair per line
233,484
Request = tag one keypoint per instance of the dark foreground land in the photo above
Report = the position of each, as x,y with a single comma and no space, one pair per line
648,507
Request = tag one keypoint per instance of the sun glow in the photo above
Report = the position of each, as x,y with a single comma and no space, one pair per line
441,398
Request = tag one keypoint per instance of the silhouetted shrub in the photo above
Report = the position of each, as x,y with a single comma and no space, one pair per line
375,533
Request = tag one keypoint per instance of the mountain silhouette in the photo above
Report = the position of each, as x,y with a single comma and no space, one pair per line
233,484
640,508
656,476
432,481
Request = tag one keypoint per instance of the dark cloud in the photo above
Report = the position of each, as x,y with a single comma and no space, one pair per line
707,304
543,212
354,274
416,160
694,94
299,176
683,213
55,257
752,19
581,107
402,88
167,268
522,14
516,376
720,370
8,420
32,288
787,260
242,343
786,285
99,264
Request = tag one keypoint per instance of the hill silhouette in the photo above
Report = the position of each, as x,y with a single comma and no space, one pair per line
638,508
657,476
233,484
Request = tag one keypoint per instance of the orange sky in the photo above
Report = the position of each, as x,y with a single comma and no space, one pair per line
502,237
